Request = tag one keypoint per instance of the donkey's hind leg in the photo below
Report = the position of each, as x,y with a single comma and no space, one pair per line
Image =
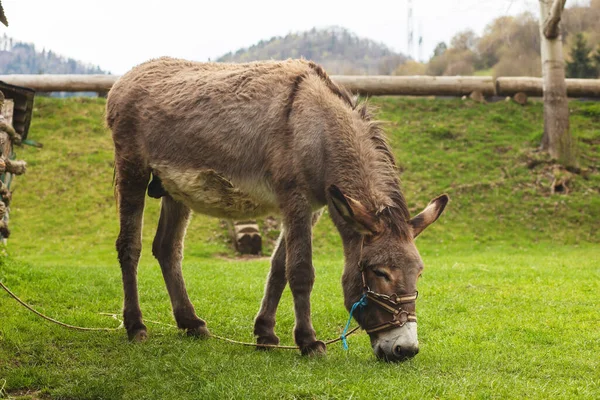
131,181
168,250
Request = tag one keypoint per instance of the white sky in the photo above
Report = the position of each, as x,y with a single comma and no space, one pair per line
116,35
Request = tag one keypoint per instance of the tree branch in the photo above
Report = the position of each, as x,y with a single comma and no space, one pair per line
551,22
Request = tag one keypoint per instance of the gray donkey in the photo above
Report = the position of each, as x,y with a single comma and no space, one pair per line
243,140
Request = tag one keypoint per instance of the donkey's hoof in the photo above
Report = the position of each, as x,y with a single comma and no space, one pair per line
200,332
138,336
317,348
270,340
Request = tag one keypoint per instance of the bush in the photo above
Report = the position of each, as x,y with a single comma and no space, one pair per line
514,62
460,67
411,68
453,62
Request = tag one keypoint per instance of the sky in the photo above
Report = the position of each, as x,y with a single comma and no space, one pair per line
117,35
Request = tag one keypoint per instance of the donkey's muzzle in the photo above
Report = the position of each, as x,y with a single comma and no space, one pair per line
398,344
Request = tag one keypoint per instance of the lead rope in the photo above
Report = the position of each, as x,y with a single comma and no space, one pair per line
224,339
39,314
362,302
359,304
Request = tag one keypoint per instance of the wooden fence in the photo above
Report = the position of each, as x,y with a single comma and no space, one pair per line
366,85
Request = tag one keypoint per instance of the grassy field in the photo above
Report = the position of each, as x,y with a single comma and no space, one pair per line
508,304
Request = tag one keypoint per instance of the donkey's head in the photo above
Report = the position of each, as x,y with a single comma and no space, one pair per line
383,265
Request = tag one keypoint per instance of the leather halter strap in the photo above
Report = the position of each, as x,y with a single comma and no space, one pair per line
389,303
393,305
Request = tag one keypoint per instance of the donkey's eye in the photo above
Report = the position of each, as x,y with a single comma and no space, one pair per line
381,274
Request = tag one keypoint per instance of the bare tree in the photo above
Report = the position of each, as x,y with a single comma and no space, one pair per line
557,137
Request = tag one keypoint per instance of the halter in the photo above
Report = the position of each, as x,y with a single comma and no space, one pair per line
389,303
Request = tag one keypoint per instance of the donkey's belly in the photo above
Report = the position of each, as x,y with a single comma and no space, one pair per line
206,192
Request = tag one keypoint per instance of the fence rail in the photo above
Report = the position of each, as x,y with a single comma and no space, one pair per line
417,85
508,86
366,85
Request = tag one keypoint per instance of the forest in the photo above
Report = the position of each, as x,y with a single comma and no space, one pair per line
18,57
510,46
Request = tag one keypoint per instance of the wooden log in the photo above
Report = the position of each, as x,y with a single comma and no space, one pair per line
365,85
6,146
10,131
15,167
246,237
6,116
509,86
63,83
583,87
5,194
416,85
4,231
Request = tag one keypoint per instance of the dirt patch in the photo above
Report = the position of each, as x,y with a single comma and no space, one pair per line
553,178
242,257
503,149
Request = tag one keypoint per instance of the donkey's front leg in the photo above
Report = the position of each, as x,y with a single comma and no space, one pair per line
300,272
264,324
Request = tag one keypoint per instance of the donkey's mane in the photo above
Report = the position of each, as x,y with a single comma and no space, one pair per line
396,213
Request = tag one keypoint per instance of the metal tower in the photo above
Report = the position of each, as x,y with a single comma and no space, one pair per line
409,28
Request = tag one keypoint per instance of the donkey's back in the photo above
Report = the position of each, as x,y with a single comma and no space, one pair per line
204,111
214,134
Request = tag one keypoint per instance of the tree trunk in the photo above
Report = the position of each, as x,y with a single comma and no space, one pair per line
557,137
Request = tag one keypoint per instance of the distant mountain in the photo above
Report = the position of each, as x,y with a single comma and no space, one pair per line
337,49
22,58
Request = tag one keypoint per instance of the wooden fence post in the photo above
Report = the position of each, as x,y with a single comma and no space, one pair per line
6,114
8,167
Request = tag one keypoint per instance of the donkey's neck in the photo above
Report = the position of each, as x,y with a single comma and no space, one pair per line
363,167
361,172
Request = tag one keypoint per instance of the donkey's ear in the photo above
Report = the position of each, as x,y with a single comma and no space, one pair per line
353,212
428,215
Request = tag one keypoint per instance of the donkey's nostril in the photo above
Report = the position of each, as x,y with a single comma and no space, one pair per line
404,352
398,351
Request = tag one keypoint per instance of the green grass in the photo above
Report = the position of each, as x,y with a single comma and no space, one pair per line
508,303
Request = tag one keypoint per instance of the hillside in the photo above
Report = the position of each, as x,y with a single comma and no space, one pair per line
337,49
23,58
481,155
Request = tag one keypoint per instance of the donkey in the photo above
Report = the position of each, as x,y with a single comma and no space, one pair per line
241,140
